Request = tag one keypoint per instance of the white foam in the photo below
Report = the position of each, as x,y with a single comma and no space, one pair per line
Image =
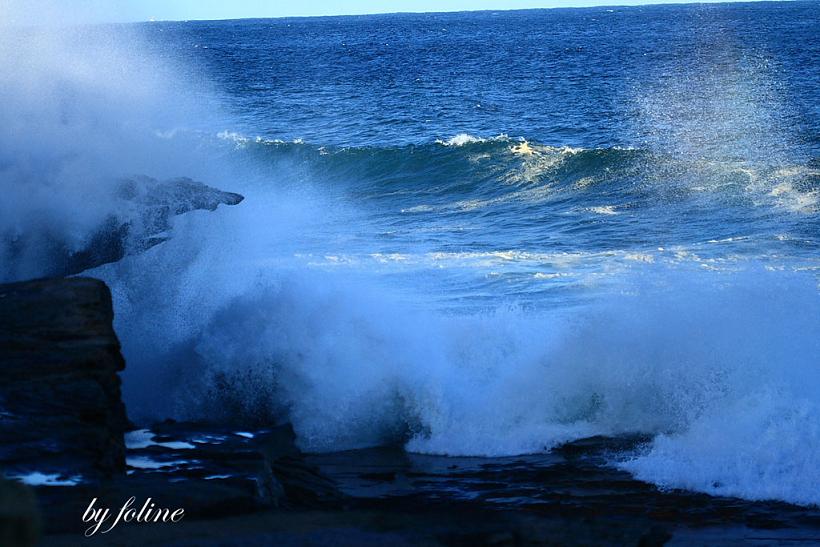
664,354
81,109
603,210
144,462
758,446
682,355
722,369
36,478
464,138
143,438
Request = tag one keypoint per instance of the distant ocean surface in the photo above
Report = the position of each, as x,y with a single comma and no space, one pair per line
521,155
486,233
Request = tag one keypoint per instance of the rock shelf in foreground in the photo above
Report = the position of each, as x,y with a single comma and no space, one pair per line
62,418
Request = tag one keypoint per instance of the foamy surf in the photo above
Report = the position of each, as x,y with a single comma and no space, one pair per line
641,265
672,355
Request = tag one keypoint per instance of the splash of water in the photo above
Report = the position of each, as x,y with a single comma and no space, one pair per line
82,107
718,366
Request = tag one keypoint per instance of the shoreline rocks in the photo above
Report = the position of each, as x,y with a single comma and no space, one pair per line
63,423
152,204
141,210
62,415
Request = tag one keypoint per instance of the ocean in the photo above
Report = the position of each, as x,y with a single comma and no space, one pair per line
468,234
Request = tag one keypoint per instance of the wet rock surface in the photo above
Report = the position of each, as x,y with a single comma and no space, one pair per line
386,496
576,480
210,471
61,416
267,461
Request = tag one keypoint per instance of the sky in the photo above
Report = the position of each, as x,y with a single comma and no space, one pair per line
102,11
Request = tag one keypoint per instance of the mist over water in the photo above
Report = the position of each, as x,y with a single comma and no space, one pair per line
83,107
421,260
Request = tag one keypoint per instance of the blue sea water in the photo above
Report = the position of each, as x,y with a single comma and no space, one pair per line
502,144
477,233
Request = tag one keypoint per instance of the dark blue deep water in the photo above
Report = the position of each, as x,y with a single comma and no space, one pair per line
560,77
505,141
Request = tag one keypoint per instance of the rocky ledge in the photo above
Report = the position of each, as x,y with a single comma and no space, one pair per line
61,416
150,205
141,212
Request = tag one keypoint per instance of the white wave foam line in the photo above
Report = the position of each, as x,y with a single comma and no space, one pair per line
611,261
419,209
36,478
590,267
464,138
564,260
241,140
469,258
552,275
143,438
603,210
144,462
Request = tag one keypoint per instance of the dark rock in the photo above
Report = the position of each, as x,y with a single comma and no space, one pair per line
19,516
210,471
391,497
268,459
59,388
176,196
63,418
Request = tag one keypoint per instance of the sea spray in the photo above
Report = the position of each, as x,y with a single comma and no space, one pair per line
83,107
402,272
663,354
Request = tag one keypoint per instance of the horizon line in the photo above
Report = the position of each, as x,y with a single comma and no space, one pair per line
636,4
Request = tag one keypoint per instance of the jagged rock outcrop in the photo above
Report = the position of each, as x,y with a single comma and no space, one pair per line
141,209
151,204
61,415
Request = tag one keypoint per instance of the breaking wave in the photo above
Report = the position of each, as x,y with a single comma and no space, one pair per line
717,367
494,167
520,302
